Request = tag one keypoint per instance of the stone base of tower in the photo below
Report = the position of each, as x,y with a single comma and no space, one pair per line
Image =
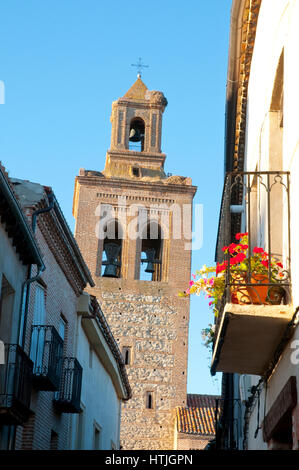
141,431
153,324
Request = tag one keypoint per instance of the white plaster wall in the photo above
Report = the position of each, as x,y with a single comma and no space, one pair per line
278,28
15,272
270,39
99,398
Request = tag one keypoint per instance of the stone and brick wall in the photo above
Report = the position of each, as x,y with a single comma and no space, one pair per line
60,300
191,442
153,328
147,316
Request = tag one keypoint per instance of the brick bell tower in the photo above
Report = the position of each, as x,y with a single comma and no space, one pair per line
133,226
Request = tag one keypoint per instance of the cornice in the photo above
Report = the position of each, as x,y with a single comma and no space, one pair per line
138,103
126,153
146,185
60,252
16,224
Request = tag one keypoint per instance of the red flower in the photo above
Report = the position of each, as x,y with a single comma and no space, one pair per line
243,247
256,249
280,265
232,248
224,248
241,235
265,263
238,259
221,267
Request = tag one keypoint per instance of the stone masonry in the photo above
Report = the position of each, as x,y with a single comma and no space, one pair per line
146,317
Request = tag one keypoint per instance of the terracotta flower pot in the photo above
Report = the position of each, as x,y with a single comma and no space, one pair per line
259,294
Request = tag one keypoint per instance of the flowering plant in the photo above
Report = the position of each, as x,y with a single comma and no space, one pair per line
208,335
212,280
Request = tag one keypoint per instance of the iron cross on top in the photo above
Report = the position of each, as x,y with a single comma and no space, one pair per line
139,66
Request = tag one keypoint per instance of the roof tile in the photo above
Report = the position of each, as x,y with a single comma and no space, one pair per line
199,415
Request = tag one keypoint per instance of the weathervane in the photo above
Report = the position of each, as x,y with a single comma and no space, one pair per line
139,66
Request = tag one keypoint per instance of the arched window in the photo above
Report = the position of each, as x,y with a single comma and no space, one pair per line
112,247
136,135
151,253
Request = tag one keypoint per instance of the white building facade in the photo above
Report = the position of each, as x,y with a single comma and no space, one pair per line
257,346
104,383
272,139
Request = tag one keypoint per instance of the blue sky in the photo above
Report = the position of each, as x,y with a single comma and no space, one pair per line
64,62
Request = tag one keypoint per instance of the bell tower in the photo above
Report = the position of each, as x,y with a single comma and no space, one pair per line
133,226
136,120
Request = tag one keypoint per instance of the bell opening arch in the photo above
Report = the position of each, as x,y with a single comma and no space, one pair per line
151,250
137,134
112,249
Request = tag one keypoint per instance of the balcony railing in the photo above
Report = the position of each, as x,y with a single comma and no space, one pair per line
257,203
46,351
257,300
67,399
15,386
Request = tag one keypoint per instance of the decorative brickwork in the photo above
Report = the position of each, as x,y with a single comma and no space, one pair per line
147,317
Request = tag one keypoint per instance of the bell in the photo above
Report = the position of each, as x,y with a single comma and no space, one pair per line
150,256
112,251
135,135
149,268
110,271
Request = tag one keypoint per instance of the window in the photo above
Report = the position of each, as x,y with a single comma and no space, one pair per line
80,428
38,335
136,171
149,400
90,356
62,327
127,355
277,211
151,253
136,135
112,247
6,310
96,436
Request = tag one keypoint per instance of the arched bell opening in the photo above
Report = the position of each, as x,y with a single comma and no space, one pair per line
151,253
112,248
136,135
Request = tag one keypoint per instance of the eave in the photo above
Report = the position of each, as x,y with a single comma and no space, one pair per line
16,226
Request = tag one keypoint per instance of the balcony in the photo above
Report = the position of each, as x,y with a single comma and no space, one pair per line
15,386
46,351
67,399
256,308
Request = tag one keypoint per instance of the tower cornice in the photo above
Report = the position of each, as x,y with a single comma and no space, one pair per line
169,185
144,158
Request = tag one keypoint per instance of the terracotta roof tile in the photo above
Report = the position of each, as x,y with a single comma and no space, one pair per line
199,415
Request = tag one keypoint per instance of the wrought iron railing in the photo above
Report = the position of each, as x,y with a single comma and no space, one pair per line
46,351
258,204
67,399
15,386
